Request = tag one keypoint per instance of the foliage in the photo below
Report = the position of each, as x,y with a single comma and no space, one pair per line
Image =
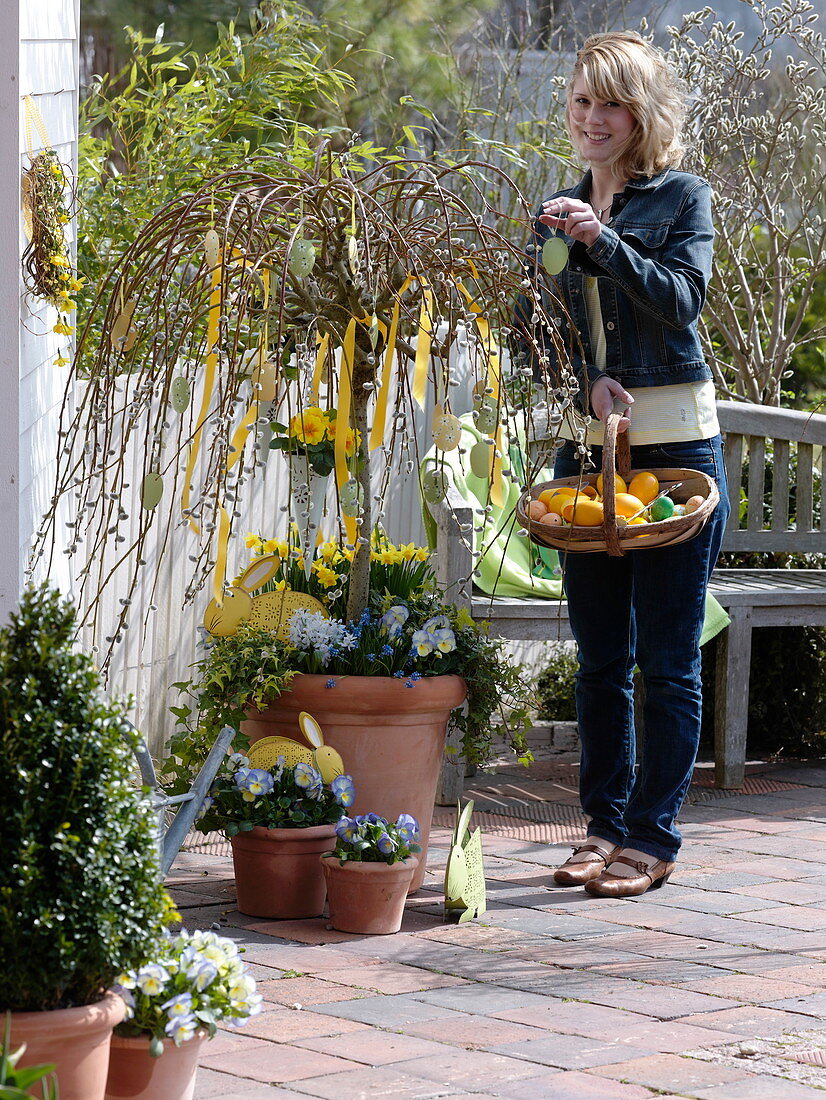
556,701
173,117
194,980
369,838
281,797
758,128
15,1083
79,894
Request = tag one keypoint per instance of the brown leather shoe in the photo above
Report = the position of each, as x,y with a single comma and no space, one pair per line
649,877
576,873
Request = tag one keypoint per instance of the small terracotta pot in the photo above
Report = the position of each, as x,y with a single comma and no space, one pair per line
277,873
136,1075
76,1040
391,737
367,898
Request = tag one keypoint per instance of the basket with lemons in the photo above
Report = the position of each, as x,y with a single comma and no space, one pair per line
640,501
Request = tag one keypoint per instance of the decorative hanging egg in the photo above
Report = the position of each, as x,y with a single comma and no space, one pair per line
434,486
302,258
554,255
486,419
661,509
447,431
350,496
263,381
151,490
180,394
212,248
480,459
122,325
373,332
353,255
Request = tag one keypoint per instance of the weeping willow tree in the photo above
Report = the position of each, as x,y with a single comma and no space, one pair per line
264,304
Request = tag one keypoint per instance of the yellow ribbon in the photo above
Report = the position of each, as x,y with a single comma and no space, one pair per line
383,396
345,391
209,382
493,382
221,556
425,336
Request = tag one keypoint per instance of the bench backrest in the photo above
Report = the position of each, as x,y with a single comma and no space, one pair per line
775,468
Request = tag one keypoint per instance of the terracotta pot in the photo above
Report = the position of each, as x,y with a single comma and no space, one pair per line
277,873
367,898
76,1040
135,1074
390,737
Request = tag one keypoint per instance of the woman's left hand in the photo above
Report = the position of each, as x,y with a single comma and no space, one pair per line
579,219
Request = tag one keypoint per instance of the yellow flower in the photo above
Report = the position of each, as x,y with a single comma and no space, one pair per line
76,284
422,553
58,261
327,551
309,426
326,576
391,555
55,169
252,540
280,586
62,329
61,361
349,439
62,218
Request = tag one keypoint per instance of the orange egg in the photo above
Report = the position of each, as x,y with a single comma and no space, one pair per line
693,503
627,505
619,484
557,501
590,492
583,513
551,519
559,490
644,486
536,509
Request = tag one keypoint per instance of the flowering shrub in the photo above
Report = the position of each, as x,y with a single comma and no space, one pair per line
369,838
281,797
196,980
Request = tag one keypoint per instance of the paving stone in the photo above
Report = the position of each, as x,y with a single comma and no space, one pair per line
392,978
560,925
374,1048
390,1012
663,1002
276,1064
564,1085
572,1051
375,1082
813,974
308,991
285,1026
482,1000
211,1084
810,1004
760,1088
751,1021
671,1071
798,893
474,1032
707,901
665,971
803,917
750,988
463,1068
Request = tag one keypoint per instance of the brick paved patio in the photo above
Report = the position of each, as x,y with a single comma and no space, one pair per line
713,987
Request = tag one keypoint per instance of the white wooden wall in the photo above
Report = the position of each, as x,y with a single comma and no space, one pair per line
38,57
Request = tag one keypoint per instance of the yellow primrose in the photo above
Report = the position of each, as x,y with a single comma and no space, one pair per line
350,438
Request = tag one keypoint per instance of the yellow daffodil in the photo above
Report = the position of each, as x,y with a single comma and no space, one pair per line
75,285
61,361
326,576
58,261
251,540
62,329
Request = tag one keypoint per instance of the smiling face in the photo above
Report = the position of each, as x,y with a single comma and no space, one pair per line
599,128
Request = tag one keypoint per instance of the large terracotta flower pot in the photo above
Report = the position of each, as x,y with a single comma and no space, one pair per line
391,737
367,898
76,1040
277,873
136,1075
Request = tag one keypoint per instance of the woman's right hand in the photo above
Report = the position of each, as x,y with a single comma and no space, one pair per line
603,393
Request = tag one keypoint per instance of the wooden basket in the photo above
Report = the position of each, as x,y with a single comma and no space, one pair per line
608,536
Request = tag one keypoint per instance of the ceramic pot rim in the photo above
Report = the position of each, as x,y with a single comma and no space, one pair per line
366,866
110,1005
303,832
430,693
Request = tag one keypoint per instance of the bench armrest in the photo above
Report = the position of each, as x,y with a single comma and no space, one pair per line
454,557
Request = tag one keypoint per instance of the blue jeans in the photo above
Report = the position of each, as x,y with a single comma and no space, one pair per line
644,609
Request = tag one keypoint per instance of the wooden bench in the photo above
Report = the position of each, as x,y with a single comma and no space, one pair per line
781,517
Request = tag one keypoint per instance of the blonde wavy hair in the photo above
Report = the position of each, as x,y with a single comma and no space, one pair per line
622,66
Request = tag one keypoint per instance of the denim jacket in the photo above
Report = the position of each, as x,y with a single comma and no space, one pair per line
653,260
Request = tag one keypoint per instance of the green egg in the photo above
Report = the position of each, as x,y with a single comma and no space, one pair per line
434,486
350,497
152,490
661,509
179,394
554,255
480,459
486,419
302,258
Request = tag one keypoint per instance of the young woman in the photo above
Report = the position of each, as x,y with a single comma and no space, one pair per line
640,238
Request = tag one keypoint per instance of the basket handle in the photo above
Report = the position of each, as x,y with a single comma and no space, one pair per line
615,447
